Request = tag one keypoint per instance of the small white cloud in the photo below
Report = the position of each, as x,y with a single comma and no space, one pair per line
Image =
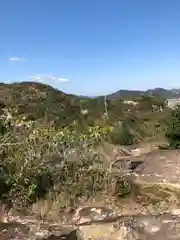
47,79
16,59
63,80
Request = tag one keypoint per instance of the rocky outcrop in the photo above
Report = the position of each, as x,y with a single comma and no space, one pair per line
159,167
95,223
35,230
102,224
155,176
162,227
94,214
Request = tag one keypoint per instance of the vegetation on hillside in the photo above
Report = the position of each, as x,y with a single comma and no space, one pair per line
39,160
48,142
39,102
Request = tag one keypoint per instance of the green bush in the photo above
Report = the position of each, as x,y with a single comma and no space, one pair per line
121,135
173,128
37,159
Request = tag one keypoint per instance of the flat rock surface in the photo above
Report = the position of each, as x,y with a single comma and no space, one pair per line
160,166
163,227
138,227
35,230
87,215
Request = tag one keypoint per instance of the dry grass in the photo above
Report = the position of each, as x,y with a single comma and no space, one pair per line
156,193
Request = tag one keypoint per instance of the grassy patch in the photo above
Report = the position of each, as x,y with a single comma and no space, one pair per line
153,194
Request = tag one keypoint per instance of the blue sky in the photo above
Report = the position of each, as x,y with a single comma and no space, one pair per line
91,47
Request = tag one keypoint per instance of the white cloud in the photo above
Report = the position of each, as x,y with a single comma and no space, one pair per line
8,81
47,79
16,59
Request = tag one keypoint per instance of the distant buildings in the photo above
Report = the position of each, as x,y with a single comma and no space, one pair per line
130,102
173,102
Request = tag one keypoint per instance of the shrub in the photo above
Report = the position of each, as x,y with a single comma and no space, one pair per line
36,160
173,128
121,135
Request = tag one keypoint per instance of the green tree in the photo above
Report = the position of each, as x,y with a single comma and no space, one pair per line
121,135
173,128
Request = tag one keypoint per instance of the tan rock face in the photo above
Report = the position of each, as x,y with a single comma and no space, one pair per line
97,223
163,227
139,227
88,215
160,166
35,230
157,167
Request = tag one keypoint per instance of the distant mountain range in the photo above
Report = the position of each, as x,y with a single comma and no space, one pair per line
123,93
165,93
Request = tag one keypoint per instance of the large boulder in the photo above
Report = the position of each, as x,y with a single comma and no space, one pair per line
156,167
100,223
159,167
